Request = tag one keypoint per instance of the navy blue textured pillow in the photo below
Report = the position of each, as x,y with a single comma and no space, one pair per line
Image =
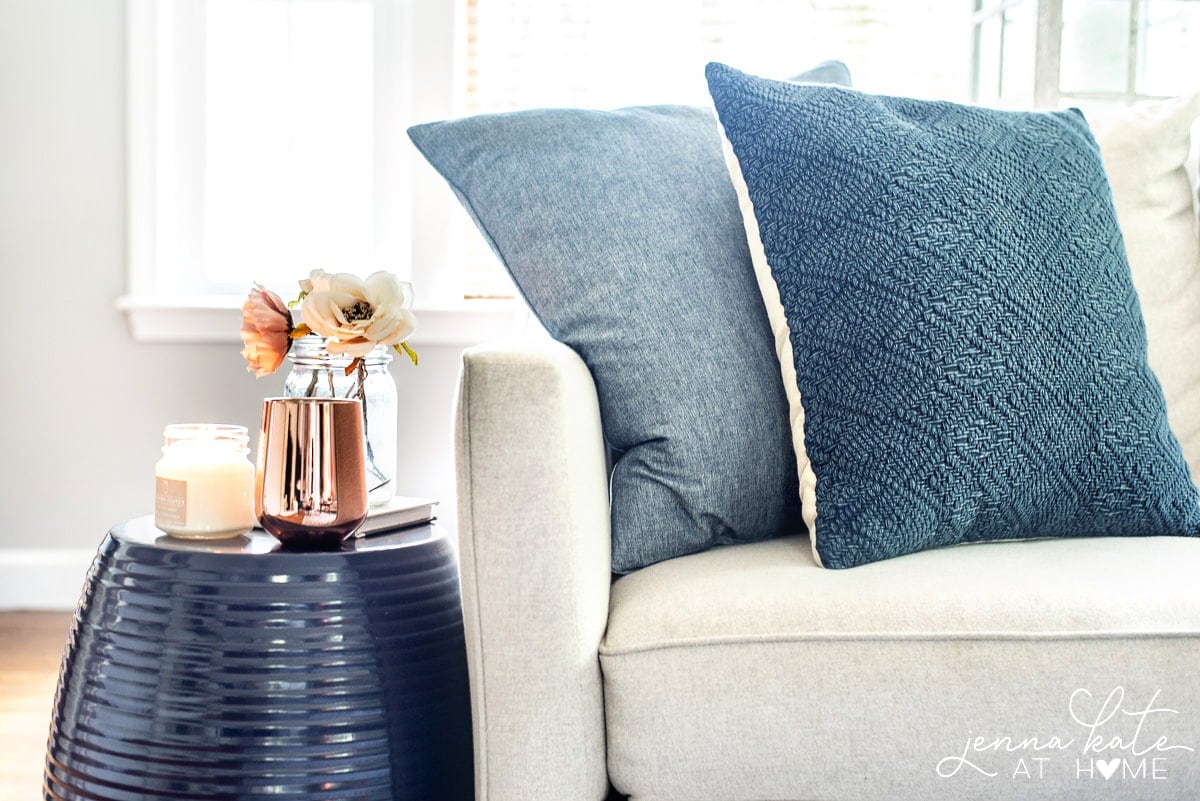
961,343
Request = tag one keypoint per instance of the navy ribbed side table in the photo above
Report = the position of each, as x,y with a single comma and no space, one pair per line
235,671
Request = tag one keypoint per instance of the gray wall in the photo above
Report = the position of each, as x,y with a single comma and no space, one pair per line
83,404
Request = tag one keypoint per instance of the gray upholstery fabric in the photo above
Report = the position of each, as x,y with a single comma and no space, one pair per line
1145,149
534,539
749,673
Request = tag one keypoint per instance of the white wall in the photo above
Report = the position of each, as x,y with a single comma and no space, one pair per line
83,404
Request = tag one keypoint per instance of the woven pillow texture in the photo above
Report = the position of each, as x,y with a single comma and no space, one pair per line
960,339
622,232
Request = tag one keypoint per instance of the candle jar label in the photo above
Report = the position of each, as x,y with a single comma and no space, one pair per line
170,502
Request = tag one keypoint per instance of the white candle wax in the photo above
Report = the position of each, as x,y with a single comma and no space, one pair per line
204,487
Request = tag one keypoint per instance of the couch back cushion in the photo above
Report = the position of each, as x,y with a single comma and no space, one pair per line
1146,148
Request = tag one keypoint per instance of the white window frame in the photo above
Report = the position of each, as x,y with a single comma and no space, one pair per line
1047,72
423,207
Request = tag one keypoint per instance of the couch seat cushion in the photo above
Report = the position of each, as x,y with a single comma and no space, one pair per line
749,672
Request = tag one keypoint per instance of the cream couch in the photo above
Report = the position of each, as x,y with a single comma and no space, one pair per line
748,673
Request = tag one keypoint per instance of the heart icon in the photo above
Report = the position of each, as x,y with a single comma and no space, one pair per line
1107,769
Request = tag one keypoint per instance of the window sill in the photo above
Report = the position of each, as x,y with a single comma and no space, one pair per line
218,319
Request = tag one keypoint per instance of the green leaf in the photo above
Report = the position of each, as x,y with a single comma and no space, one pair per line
404,350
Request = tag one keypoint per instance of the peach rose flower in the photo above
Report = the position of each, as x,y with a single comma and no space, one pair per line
266,331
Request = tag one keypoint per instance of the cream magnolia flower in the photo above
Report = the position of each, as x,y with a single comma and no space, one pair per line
315,278
356,315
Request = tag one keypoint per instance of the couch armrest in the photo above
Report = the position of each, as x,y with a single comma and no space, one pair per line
535,547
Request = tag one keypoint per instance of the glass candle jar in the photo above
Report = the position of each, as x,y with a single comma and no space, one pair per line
204,482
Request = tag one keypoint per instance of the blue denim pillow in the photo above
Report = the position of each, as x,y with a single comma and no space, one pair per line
966,357
623,233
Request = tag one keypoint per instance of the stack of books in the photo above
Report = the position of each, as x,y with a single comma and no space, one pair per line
400,512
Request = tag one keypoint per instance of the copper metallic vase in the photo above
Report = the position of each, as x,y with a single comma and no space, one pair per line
312,483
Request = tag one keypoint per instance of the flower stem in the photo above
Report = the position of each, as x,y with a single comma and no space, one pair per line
360,391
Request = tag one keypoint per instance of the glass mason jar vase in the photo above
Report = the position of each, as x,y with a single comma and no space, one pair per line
317,373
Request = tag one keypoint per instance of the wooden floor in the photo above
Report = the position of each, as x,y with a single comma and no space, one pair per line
31,646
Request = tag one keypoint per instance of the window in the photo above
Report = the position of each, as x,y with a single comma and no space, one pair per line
1048,53
266,139
267,136
524,53
261,127
287,169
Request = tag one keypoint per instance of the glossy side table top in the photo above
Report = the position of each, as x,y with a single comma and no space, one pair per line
231,669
